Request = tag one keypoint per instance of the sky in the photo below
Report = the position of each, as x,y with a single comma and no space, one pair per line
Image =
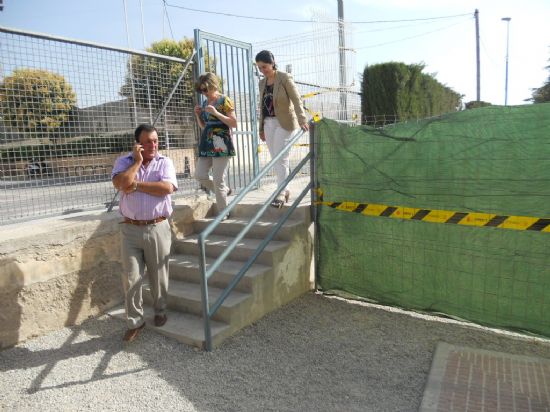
446,46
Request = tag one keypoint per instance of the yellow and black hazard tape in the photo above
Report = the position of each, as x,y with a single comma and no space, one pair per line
317,115
441,216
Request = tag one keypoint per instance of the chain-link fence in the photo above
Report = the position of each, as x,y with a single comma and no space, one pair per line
322,62
69,108
322,69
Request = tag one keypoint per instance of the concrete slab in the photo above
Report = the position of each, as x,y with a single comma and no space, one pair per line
184,327
260,195
468,379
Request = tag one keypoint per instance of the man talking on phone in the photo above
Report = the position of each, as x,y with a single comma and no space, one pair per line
145,180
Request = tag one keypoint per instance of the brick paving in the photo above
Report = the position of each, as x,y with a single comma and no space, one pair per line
466,379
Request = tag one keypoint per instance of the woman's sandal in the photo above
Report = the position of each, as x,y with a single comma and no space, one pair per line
278,203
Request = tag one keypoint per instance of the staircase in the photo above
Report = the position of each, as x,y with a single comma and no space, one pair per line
280,274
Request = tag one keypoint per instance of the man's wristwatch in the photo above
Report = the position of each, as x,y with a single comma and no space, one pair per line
134,187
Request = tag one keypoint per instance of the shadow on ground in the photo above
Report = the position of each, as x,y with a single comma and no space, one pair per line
315,354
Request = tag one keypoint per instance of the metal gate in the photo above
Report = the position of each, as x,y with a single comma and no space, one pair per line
232,62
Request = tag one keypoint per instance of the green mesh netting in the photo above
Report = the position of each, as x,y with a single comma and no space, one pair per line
492,160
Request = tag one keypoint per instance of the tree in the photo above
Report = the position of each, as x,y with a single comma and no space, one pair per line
36,101
542,94
153,79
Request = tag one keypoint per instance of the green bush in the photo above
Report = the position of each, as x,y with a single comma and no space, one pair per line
474,104
403,91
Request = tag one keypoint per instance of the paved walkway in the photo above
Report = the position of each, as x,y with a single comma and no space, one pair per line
469,379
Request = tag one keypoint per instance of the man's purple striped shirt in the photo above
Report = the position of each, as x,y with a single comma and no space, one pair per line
143,206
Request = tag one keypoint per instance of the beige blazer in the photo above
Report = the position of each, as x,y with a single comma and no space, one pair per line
286,102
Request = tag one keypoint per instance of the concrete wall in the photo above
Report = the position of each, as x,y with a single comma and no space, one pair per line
97,165
60,271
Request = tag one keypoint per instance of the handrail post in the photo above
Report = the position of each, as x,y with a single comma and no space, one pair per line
204,293
313,178
314,198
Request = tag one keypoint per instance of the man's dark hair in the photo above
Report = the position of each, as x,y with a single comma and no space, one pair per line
265,56
143,128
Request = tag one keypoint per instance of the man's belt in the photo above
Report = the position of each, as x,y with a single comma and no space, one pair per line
143,222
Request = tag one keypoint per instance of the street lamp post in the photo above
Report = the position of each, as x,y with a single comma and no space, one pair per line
507,20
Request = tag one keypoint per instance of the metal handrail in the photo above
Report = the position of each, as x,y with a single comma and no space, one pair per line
102,46
206,273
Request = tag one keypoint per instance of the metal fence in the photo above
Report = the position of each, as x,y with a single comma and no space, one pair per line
322,76
69,108
322,68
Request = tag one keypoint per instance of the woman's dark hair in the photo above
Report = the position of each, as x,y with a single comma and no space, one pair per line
143,128
265,56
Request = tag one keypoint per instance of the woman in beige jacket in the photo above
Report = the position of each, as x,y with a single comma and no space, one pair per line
281,113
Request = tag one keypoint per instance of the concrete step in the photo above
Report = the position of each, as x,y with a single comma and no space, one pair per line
186,268
274,279
247,210
233,226
184,327
186,297
216,244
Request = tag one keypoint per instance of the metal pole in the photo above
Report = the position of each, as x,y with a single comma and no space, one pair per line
147,78
314,199
507,20
312,176
342,61
130,64
252,86
142,25
478,87
204,295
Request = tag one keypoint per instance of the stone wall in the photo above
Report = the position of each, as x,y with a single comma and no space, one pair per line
60,271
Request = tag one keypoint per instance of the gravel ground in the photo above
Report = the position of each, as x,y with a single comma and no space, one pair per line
315,354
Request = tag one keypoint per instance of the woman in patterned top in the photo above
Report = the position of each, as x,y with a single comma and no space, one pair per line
216,118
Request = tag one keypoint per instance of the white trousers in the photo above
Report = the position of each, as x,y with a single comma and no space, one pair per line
276,138
216,183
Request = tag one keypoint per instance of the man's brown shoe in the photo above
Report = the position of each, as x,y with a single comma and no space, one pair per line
131,334
160,320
